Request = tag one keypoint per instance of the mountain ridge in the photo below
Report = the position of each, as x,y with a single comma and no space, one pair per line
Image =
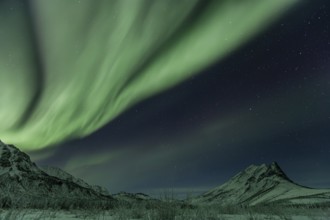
24,184
61,174
262,184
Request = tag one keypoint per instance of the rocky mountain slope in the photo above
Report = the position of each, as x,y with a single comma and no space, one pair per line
263,184
22,183
61,174
133,197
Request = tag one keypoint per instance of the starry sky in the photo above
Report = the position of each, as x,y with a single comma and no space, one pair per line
187,96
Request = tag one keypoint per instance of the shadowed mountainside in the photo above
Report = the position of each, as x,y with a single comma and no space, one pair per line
23,184
262,184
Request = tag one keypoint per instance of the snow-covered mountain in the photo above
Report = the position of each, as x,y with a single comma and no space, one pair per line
22,183
263,184
61,174
133,197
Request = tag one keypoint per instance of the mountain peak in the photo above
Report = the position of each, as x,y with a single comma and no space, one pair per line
1,143
262,184
249,185
275,167
21,178
14,161
260,172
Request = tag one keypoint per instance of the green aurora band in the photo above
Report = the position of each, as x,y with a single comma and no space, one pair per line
68,67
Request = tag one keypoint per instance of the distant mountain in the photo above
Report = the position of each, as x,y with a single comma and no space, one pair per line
23,184
133,197
263,184
61,174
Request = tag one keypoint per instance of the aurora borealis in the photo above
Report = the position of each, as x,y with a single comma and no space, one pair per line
70,67
142,96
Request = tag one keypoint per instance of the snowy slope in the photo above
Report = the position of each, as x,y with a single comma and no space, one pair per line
21,180
260,185
61,174
133,197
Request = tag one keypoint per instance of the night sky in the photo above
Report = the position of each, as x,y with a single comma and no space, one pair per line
265,99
